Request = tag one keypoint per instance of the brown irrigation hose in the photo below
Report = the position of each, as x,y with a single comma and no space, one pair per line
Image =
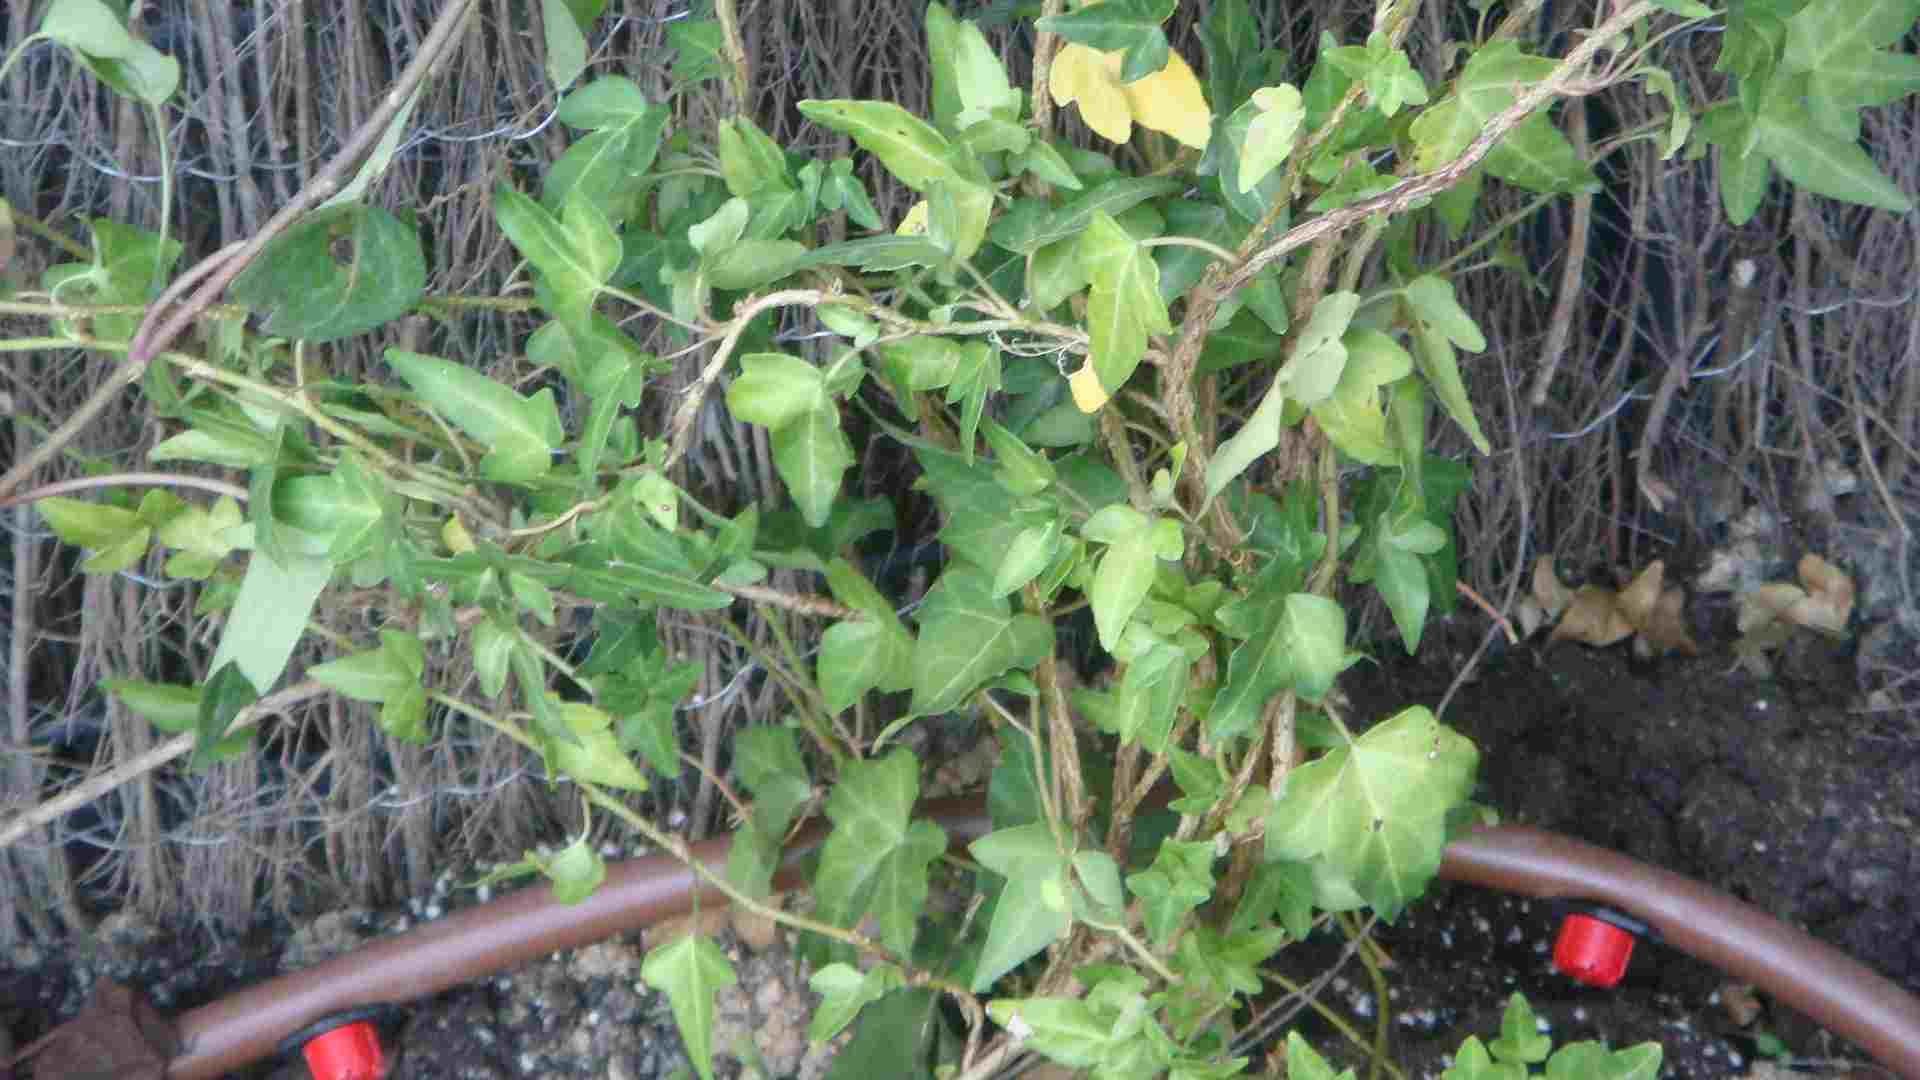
1815,978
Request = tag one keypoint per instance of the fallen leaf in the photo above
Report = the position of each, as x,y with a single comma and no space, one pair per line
1552,596
1593,617
1639,598
117,1035
1665,630
1830,597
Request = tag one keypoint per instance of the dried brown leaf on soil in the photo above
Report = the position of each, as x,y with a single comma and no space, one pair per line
1594,617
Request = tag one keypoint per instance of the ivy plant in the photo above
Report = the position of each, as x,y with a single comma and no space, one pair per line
1182,379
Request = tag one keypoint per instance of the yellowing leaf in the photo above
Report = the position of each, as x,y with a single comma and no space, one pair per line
1666,627
1169,100
1547,589
1082,75
915,223
1638,599
1088,394
1831,594
1593,617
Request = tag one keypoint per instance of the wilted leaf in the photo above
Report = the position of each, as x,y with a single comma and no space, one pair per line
1638,599
1593,617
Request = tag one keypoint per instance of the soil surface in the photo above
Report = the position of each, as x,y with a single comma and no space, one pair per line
1770,789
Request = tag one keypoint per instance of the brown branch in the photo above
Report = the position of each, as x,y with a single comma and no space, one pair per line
1566,79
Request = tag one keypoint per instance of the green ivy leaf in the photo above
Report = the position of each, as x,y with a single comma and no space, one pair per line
774,389
1373,812
969,82
1262,666
1271,131
1180,880
360,509
811,453
594,754
102,43
575,254
1577,1061
1282,891
1124,304
1836,36
690,971
1132,26
521,432
769,763
968,636
378,674
1314,630
1353,417
858,655
1033,549
575,870
1440,325
876,859
226,693
1122,576
564,25
911,149
1520,1041
493,645
844,990
1255,438
1069,1031
1824,163
165,706
606,165
697,49
1032,910
1473,1063
309,292
750,161
1110,198
1304,1063
270,614
117,536
1319,356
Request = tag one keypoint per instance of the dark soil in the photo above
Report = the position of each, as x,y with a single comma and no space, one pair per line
1771,790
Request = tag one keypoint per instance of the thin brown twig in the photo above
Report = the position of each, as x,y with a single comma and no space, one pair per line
217,271
132,479
100,783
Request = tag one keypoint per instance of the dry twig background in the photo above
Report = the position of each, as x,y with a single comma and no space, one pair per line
1654,376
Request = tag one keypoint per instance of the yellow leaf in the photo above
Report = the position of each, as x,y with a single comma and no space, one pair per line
1593,617
454,534
1548,592
1638,599
1092,80
1829,597
1170,101
1767,604
1665,630
915,223
1088,394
